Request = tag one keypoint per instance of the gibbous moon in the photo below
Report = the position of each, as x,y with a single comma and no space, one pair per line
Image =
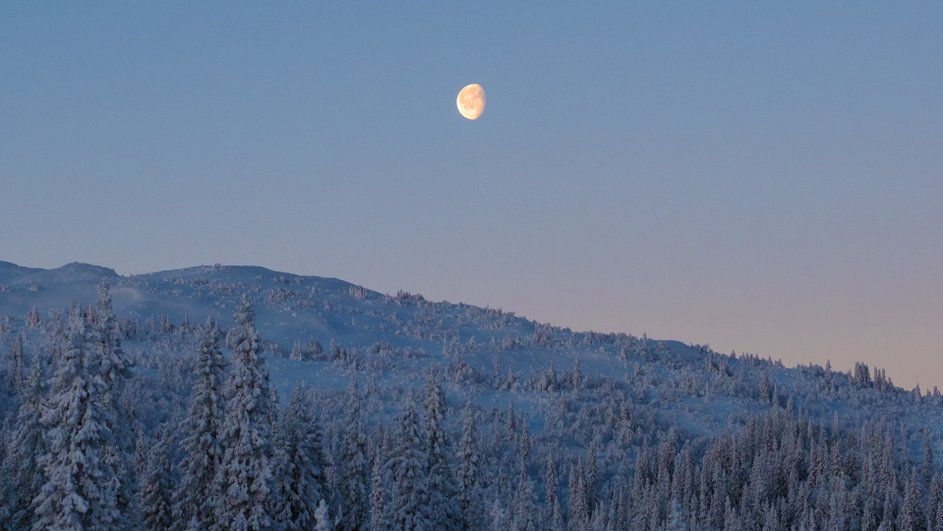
471,101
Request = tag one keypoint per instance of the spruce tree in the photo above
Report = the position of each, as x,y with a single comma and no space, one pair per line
379,485
554,516
469,470
78,492
24,476
15,372
577,512
114,369
442,489
910,516
157,486
202,452
525,513
409,505
321,517
244,478
298,467
353,467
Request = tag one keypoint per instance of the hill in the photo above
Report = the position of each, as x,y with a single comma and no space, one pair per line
615,397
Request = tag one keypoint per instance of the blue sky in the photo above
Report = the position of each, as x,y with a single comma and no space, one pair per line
759,177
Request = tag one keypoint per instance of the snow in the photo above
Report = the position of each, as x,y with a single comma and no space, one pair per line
577,393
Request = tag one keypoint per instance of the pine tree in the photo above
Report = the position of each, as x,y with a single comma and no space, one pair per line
592,478
245,475
441,483
410,501
157,488
379,505
201,433
322,519
24,477
577,512
676,521
468,473
934,499
353,468
114,369
910,516
78,492
115,366
554,516
731,519
15,374
526,507
298,468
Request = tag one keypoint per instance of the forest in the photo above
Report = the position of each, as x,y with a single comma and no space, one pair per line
188,429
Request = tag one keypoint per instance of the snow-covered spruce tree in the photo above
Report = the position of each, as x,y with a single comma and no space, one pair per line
409,506
910,516
157,487
298,467
676,521
201,431
525,511
23,475
591,480
380,490
79,489
115,368
554,518
15,370
353,467
245,475
322,519
469,470
443,492
577,513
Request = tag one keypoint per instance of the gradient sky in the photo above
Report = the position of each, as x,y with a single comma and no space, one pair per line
765,177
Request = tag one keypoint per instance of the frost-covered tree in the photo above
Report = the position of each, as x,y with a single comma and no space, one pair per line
409,504
525,513
15,370
469,470
910,516
380,489
23,475
202,452
443,493
354,467
157,486
79,490
676,521
554,518
298,468
322,518
244,478
578,514
114,369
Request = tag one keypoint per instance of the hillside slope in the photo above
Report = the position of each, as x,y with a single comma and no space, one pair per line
575,395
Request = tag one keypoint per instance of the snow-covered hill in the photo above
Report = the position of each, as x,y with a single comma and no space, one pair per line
496,356
616,394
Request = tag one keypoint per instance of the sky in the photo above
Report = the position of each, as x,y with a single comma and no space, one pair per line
760,177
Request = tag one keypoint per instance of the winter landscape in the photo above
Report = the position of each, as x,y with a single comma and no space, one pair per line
471,266
223,397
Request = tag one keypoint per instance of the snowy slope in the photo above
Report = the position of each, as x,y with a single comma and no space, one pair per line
491,357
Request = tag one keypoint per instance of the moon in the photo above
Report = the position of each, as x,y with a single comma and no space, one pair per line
471,101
